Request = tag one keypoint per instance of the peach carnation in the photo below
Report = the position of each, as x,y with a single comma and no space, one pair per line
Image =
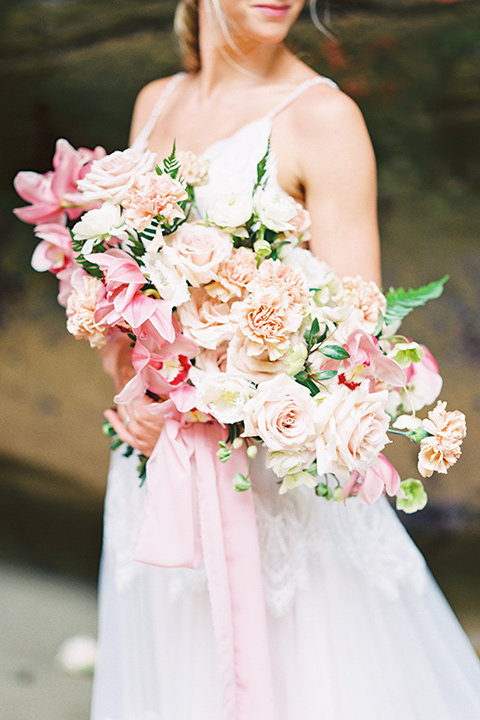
234,275
81,306
154,195
287,283
366,298
441,449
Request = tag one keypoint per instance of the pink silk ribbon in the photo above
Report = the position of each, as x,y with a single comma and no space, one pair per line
192,512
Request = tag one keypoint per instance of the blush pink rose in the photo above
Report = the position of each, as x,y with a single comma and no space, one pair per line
110,178
205,320
197,251
351,427
441,449
281,413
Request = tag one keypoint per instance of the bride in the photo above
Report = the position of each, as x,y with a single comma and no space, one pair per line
357,629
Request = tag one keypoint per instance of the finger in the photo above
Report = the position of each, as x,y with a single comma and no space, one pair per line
120,428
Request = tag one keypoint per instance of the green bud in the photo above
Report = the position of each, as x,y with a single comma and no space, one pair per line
418,435
252,451
337,494
411,496
223,452
321,489
262,248
407,353
241,482
107,428
237,443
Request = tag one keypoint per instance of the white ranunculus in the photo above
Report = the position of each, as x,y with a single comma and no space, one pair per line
316,272
223,396
286,463
170,284
231,211
100,223
275,210
111,177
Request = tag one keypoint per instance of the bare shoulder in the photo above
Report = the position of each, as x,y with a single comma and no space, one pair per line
145,102
325,113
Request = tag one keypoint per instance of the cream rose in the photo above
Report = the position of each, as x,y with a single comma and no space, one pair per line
206,320
256,369
281,413
441,449
351,429
111,177
197,251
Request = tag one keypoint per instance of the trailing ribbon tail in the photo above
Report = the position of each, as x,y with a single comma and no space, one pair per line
192,511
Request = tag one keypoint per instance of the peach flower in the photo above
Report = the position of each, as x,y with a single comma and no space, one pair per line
205,320
197,252
284,281
154,195
441,449
351,430
281,413
81,305
234,275
301,223
366,298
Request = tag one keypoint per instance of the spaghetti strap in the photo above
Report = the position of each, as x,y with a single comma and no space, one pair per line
143,136
319,79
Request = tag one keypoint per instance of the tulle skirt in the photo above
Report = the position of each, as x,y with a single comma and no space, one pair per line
358,629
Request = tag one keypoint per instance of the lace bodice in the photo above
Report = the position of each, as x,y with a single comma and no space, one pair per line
296,530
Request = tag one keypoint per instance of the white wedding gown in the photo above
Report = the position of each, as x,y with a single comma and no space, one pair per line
358,629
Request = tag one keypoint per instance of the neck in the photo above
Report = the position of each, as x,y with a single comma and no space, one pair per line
242,62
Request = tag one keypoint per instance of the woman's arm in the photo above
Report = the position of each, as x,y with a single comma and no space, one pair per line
336,170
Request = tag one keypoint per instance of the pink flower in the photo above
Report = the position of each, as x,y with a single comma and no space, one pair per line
163,371
154,195
379,478
110,178
351,427
424,383
254,368
366,361
54,252
124,303
54,196
283,281
281,413
441,449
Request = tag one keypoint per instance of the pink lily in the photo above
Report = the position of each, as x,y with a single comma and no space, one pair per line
125,302
54,195
368,361
54,252
163,372
380,478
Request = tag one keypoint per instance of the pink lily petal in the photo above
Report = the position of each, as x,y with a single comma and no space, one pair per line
184,398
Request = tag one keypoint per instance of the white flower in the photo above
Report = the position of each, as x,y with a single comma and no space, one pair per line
223,396
111,177
316,272
170,284
294,480
78,654
296,356
100,223
407,353
407,422
290,462
230,211
274,209
193,169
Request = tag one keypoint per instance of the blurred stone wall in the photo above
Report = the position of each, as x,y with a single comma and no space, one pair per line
73,68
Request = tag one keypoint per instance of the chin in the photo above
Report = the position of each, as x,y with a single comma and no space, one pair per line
267,21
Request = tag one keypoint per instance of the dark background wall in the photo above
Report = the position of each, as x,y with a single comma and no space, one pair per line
73,68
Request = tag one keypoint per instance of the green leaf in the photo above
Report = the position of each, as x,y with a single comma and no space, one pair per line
224,452
401,302
262,168
312,332
336,352
171,164
325,375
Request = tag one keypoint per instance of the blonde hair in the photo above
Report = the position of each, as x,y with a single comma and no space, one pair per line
186,28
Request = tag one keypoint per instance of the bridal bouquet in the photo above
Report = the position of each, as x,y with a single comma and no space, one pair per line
234,322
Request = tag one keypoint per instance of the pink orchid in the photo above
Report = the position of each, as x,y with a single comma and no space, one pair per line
368,361
380,478
424,378
54,196
54,252
163,372
124,301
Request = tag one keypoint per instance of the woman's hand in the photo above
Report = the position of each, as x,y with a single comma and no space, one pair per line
136,425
